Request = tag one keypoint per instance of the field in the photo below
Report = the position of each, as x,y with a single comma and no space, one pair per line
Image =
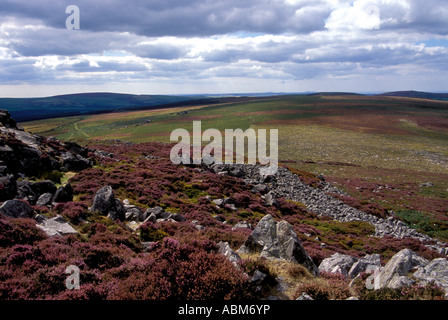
387,152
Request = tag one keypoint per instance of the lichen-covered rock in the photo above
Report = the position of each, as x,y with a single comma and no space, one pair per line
393,275
436,271
277,240
106,204
338,263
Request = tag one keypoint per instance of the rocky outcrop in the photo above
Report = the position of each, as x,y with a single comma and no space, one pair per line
106,204
23,154
277,240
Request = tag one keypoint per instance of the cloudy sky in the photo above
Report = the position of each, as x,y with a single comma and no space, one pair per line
223,46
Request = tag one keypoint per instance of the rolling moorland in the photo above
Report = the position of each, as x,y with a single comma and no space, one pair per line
362,178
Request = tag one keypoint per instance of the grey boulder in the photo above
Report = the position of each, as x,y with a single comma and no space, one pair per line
394,274
16,209
106,204
277,240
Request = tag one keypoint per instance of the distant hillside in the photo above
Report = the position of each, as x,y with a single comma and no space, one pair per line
25,109
417,94
334,94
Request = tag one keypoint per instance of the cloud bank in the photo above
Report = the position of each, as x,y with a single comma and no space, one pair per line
205,46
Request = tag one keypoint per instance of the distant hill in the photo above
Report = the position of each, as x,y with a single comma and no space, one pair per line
334,94
26,109
416,94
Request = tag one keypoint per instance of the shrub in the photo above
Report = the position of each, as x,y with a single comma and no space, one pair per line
149,232
19,231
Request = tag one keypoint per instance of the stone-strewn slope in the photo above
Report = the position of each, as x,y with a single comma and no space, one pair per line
286,184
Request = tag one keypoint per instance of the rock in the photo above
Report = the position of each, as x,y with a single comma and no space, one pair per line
218,202
426,184
63,194
243,225
337,263
178,217
277,240
270,199
304,296
45,186
75,162
25,192
132,214
16,209
106,204
225,250
260,188
44,199
258,277
57,226
362,264
393,275
152,214
6,120
236,170
436,271
8,187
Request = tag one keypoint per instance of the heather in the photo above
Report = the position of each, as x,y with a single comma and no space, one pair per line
174,260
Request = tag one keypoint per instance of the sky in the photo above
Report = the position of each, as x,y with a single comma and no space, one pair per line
222,46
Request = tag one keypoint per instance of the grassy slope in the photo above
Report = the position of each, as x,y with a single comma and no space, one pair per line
378,149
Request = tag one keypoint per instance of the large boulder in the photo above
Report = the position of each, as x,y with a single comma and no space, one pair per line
106,204
337,263
394,274
16,209
277,240
436,271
